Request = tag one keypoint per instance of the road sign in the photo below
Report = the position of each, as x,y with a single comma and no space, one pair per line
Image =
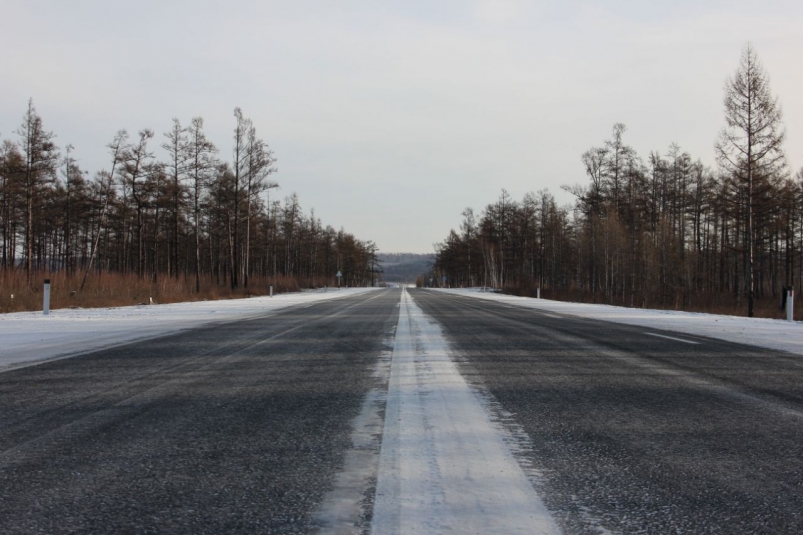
339,275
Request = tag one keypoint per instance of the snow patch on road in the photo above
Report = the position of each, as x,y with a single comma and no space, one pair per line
444,465
761,332
27,337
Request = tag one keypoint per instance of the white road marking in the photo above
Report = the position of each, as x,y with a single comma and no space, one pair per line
673,338
444,467
344,506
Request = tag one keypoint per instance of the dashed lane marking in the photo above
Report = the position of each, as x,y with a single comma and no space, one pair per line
673,338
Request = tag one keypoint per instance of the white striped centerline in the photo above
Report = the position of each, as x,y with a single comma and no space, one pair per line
673,338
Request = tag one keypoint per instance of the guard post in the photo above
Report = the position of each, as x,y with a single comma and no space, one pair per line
46,297
790,304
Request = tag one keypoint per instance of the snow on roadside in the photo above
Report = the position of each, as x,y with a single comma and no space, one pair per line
444,467
768,333
26,337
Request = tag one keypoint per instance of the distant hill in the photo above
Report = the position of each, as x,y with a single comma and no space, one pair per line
404,267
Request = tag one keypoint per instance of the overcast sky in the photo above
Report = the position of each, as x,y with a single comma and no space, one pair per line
389,118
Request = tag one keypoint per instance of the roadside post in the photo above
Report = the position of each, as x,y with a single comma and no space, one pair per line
538,293
271,290
339,276
790,304
46,303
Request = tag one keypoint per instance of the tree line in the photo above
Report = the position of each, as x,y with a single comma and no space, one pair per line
662,231
189,214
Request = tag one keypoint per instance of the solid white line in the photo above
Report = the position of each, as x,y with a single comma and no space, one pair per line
343,506
444,467
673,338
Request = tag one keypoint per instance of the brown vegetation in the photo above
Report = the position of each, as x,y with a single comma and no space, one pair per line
116,289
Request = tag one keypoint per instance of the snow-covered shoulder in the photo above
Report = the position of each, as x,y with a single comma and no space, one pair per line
761,332
26,337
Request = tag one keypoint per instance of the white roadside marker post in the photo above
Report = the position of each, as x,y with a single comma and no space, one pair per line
790,305
271,290
539,293
46,303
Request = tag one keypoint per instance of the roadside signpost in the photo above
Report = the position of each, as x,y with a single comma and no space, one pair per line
339,276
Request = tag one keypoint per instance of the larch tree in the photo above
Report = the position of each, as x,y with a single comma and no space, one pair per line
136,161
12,166
41,160
175,145
106,183
750,146
239,169
201,163
259,166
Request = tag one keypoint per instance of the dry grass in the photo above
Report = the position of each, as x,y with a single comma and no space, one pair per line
114,289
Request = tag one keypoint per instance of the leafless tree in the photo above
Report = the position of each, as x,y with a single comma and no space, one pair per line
750,145
41,159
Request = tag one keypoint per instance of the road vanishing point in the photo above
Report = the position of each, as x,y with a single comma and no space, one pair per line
401,411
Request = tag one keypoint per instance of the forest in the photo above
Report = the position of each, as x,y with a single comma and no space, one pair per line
404,267
661,231
189,225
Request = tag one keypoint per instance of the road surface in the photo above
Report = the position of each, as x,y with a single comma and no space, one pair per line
407,411
236,428
635,432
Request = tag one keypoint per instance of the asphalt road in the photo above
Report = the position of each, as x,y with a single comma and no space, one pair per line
249,426
635,433
239,427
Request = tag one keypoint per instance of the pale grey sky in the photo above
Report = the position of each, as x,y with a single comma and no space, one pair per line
389,118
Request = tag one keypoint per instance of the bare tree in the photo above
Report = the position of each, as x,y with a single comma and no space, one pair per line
41,159
175,145
750,145
12,166
469,228
240,151
106,180
259,161
136,160
73,184
201,163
